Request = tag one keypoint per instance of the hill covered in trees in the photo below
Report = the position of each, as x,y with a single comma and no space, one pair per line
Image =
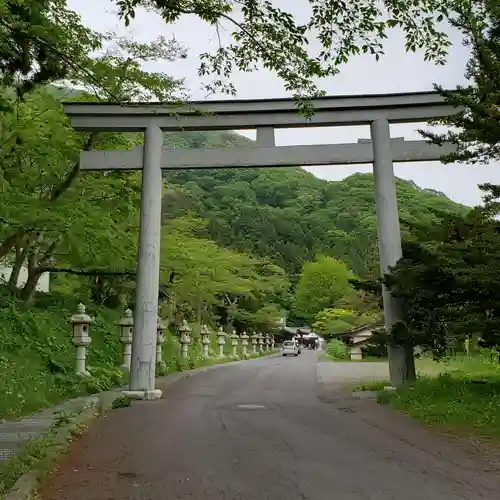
289,215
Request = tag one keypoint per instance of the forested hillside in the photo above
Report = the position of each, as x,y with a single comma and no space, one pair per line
287,214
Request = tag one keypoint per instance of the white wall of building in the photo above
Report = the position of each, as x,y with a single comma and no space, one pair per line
43,283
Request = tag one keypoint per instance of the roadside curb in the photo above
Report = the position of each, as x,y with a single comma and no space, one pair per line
95,406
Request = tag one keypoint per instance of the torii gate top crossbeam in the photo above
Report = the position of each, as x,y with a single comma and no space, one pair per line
249,114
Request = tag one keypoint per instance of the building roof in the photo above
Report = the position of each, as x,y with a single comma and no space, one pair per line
358,330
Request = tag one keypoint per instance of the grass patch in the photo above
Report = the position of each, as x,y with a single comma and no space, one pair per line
371,359
37,353
374,385
324,356
459,394
34,452
121,402
41,453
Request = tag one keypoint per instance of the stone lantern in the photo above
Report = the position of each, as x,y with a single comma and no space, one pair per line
81,337
160,340
126,325
205,340
185,339
260,338
273,341
221,340
254,342
234,343
244,343
267,343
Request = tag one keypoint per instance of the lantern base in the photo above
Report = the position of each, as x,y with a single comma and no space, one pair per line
146,395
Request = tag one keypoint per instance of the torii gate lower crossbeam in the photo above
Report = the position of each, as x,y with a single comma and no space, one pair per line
154,119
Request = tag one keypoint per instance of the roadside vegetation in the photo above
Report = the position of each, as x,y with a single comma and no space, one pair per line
458,394
337,350
37,357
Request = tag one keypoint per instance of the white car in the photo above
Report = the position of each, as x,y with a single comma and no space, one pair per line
290,347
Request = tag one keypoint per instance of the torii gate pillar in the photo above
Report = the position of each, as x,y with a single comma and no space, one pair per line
143,363
389,242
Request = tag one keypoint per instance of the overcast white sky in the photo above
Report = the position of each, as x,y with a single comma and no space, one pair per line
395,72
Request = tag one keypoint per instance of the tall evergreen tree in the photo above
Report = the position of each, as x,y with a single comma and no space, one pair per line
476,127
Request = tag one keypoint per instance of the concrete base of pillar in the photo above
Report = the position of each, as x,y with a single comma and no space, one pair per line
150,395
125,368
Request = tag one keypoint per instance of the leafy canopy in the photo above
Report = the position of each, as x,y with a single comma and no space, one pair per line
338,320
475,129
53,215
264,34
41,41
207,276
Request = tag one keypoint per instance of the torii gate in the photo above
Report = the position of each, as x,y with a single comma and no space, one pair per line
265,116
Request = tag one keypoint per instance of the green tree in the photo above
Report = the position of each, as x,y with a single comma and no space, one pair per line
449,283
264,34
448,276
202,278
41,41
63,211
337,320
475,128
322,284
40,227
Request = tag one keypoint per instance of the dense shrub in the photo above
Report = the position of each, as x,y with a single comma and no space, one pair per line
336,349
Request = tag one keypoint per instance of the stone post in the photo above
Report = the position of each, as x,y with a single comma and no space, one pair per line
221,340
401,364
185,339
254,343
205,340
234,343
273,341
81,337
160,340
126,325
244,343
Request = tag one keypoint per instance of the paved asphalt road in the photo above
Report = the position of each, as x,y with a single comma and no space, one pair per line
294,439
